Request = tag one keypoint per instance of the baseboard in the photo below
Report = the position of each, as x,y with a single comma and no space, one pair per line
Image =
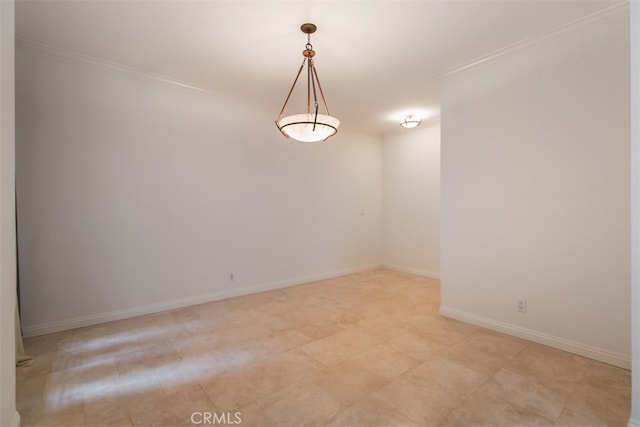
415,271
634,422
541,338
15,422
79,322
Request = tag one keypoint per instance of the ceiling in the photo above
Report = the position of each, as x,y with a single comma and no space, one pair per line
375,59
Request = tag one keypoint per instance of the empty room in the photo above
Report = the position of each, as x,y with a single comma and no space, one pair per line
320,213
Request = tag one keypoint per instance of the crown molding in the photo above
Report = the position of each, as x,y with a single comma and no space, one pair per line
77,58
615,12
73,57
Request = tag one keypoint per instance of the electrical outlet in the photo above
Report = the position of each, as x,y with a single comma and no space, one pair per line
522,306
231,277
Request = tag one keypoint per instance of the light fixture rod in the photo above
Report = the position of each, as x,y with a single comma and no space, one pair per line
315,96
312,80
286,101
315,72
309,81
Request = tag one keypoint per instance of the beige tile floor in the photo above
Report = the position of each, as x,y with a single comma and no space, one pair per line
367,349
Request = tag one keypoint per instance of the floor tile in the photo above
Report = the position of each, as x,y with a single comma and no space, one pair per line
485,352
419,348
348,382
523,393
483,410
159,408
457,380
557,370
571,418
601,404
368,413
385,361
232,390
423,404
302,404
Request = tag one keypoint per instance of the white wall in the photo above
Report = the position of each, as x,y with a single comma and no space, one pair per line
634,421
135,195
535,192
8,414
411,200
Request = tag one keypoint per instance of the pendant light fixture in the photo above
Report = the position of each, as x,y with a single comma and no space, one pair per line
410,122
309,126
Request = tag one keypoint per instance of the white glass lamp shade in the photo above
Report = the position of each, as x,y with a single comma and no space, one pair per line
301,127
410,122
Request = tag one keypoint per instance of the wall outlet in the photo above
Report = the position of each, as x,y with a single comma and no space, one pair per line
231,277
522,305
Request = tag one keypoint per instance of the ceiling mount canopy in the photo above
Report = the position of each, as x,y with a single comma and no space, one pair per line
310,126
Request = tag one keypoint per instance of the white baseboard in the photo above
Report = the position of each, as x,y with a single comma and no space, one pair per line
79,322
541,338
15,422
634,422
417,272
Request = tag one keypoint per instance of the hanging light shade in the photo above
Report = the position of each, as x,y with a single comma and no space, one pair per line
310,126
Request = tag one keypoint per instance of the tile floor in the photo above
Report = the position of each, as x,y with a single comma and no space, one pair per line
367,349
